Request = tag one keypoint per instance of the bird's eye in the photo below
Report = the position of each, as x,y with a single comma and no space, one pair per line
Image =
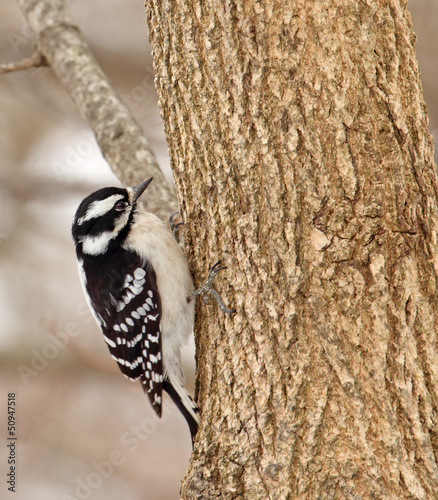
120,205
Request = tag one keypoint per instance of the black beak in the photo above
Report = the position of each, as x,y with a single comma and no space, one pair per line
140,189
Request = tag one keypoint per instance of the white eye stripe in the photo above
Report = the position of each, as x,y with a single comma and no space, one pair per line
100,207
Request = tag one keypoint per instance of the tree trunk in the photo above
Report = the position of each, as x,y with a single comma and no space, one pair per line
299,142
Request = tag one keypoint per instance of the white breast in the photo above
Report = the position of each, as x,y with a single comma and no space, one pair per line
150,237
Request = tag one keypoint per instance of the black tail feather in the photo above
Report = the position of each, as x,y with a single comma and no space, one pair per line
189,413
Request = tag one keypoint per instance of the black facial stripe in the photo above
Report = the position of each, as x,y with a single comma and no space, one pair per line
106,222
101,194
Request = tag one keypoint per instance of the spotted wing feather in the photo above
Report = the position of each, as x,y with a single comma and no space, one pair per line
129,316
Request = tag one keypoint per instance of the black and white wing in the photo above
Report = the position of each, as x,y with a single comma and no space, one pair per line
129,316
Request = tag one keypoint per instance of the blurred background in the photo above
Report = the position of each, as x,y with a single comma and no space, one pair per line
84,431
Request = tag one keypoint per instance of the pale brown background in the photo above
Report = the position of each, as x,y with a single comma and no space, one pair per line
75,410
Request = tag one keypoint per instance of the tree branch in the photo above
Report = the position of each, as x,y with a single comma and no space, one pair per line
33,61
119,136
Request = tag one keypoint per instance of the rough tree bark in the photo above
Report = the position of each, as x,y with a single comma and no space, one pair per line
300,146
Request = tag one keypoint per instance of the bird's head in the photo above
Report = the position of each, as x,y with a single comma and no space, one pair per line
104,218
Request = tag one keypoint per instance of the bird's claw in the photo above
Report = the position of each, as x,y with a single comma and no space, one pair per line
207,289
174,227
